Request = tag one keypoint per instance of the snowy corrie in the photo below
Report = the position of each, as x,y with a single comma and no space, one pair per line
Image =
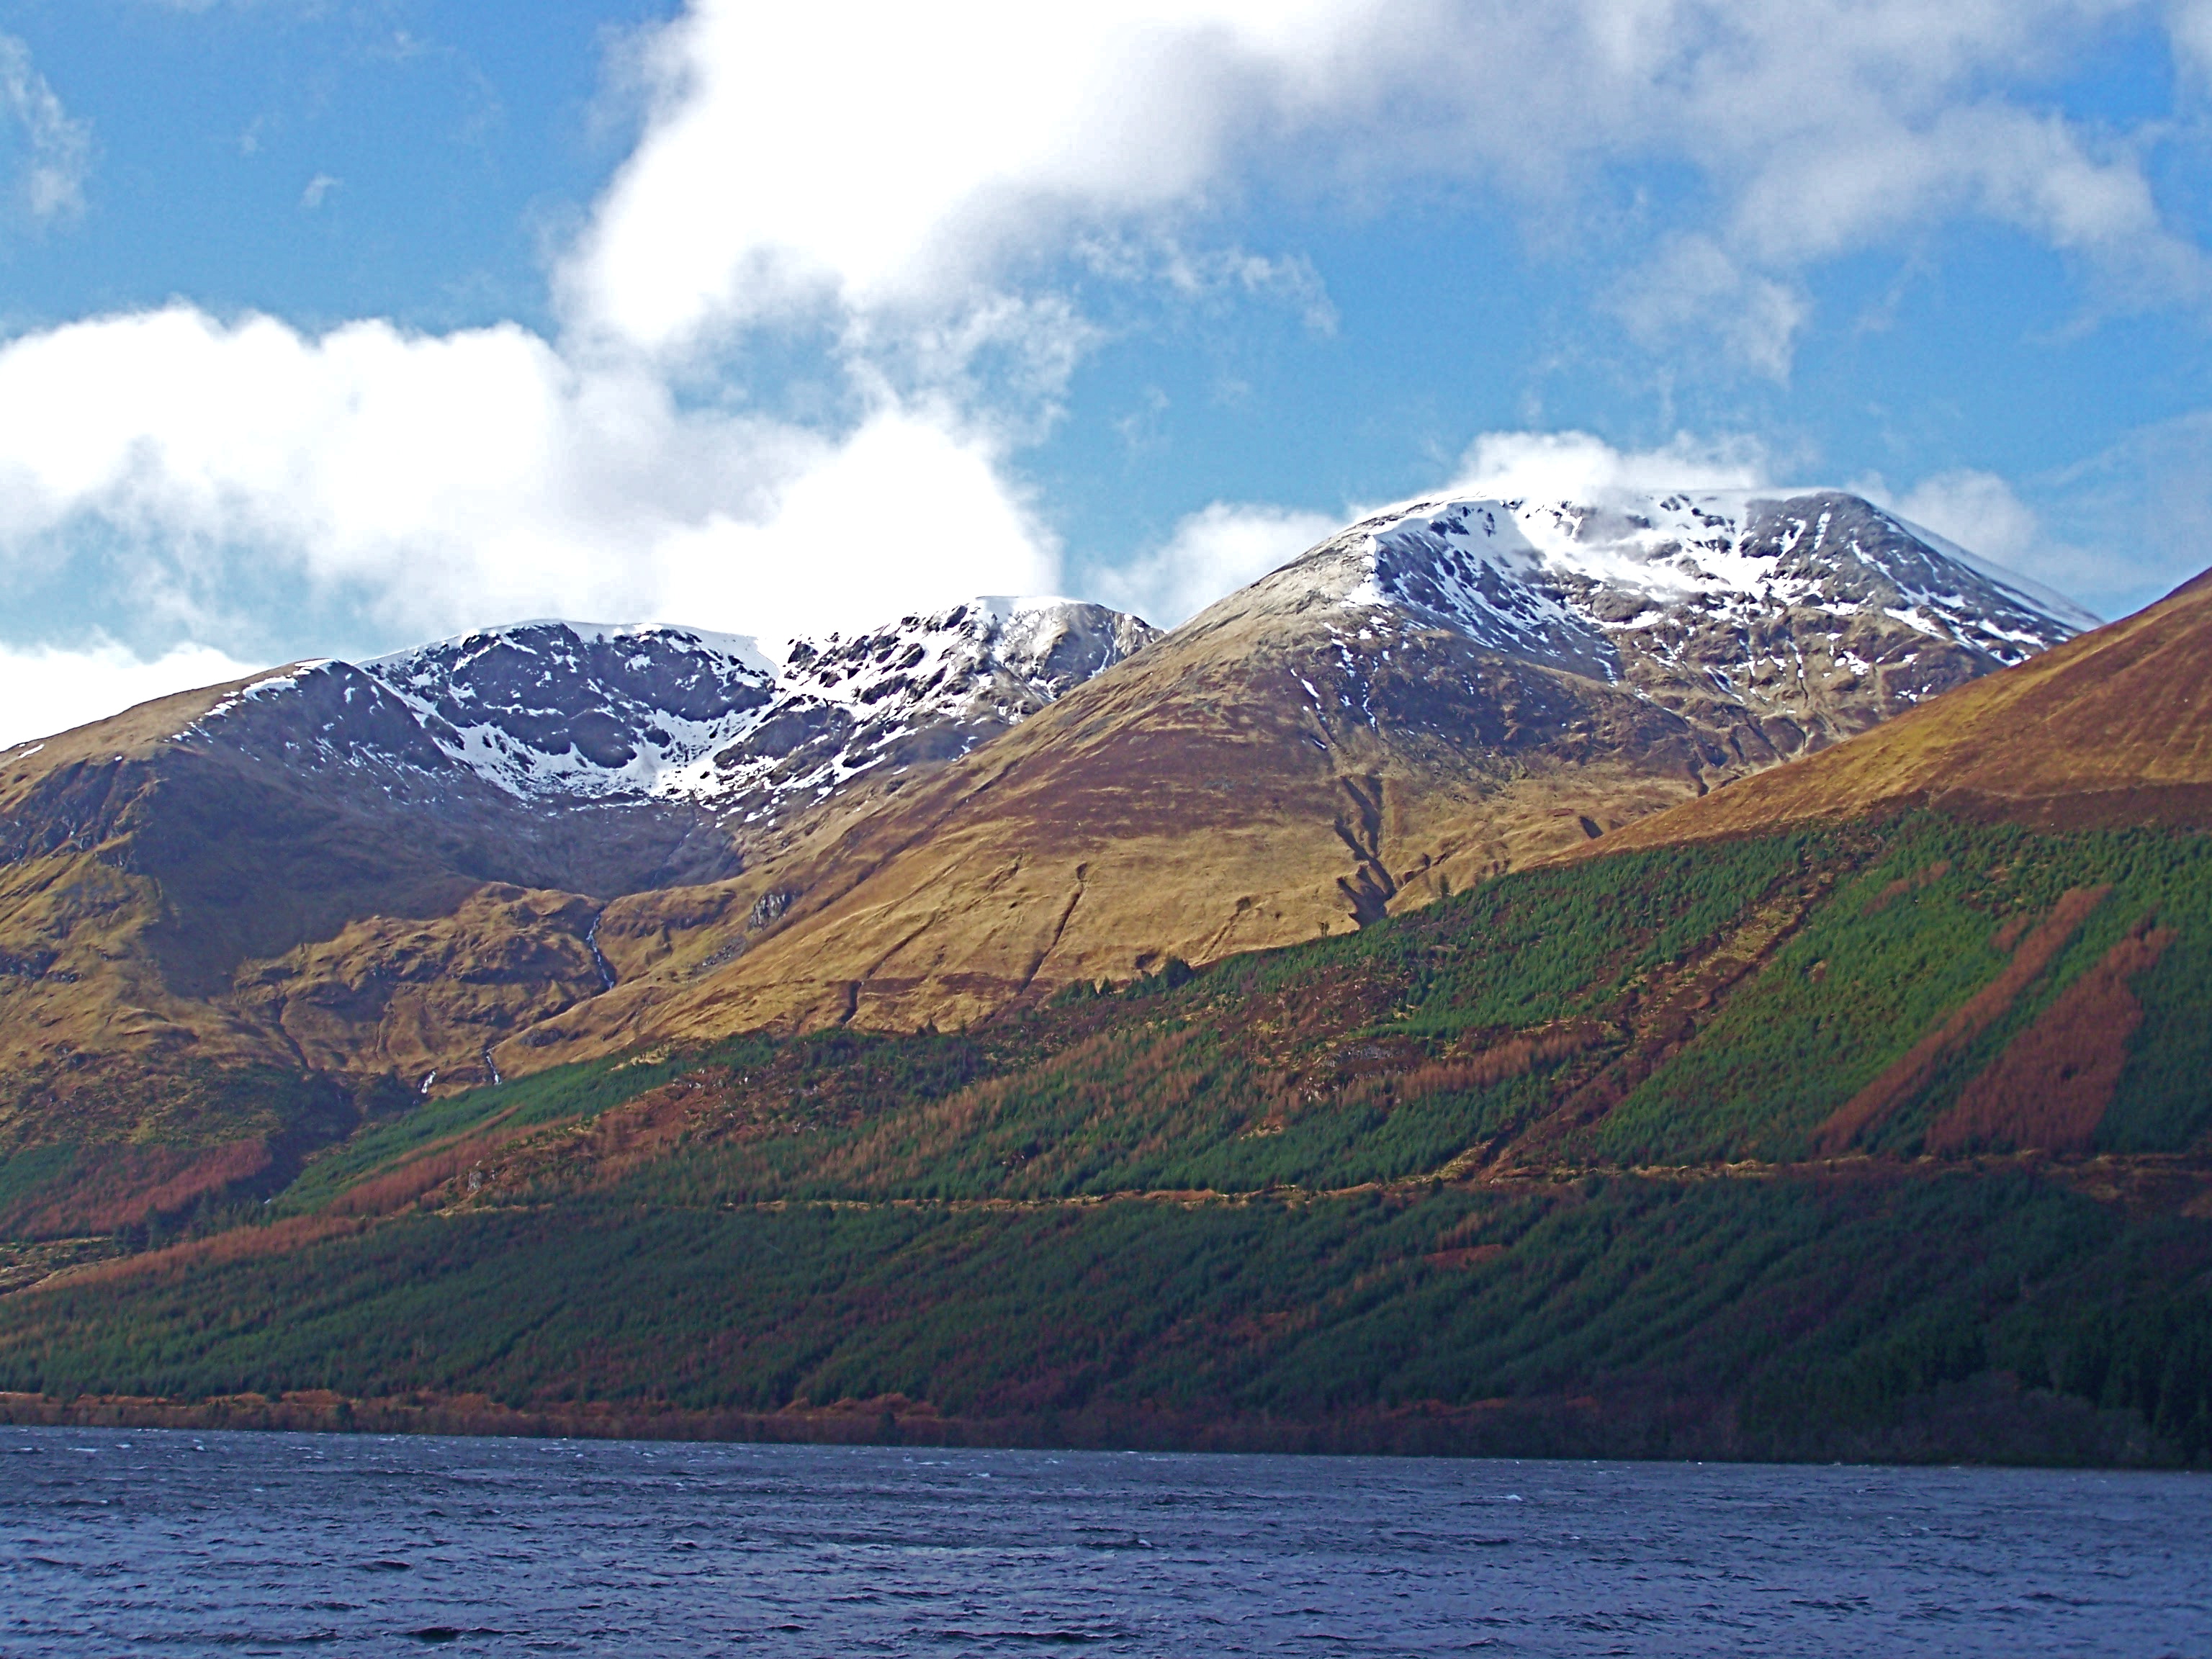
1567,580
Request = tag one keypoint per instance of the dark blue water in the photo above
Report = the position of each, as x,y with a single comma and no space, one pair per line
245,1544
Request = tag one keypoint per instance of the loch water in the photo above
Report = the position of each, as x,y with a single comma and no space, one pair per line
114,1542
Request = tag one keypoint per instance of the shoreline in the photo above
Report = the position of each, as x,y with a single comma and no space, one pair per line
1988,1421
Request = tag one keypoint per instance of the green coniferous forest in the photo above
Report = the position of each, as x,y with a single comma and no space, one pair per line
1880,1138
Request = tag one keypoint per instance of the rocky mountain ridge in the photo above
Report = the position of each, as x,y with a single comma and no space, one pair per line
2111,729
1608,564
382,870
555,840
1856,1110
555,712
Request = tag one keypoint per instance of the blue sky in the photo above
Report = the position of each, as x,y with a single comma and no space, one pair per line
332,324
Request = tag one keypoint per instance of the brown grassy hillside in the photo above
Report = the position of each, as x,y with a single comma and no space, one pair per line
2111,729
295,876
1278,769
178,891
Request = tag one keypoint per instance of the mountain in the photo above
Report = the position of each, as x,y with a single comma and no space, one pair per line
1440,692
377,871
1839,1114
236,920
1792,603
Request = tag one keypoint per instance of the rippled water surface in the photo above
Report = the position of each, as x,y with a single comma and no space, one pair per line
242,1544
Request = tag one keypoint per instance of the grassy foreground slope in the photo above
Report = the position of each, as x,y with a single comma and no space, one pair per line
1582,1160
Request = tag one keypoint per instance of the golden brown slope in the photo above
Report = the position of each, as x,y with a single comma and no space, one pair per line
232,919
1191,804
314,870
1300,759
190,885
297,872
2111,729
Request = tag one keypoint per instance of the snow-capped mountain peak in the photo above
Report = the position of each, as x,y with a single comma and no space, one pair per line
1787,618
1045,646
551,711
543,707
1565,579
925,688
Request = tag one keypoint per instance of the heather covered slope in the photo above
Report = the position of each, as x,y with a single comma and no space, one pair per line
213,884
1877,1132
2114,728
1196,802
551,840
1881,990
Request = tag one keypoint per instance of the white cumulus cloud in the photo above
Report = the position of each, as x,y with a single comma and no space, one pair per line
1579,466
435,483
874,154
855,157
48,689
1212,552
914,185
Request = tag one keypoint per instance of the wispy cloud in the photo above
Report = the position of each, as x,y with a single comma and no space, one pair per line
1693,291
57,149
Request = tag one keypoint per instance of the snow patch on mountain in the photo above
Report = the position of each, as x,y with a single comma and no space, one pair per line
927,688
556,708
1562,582
547,710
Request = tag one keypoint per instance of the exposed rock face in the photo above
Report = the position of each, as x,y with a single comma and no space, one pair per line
1438,692
551,709
567,711
1775,622
926,689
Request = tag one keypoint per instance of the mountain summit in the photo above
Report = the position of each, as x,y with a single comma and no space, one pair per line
556,712
1945,1050
1810,613
1440,691
231,913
